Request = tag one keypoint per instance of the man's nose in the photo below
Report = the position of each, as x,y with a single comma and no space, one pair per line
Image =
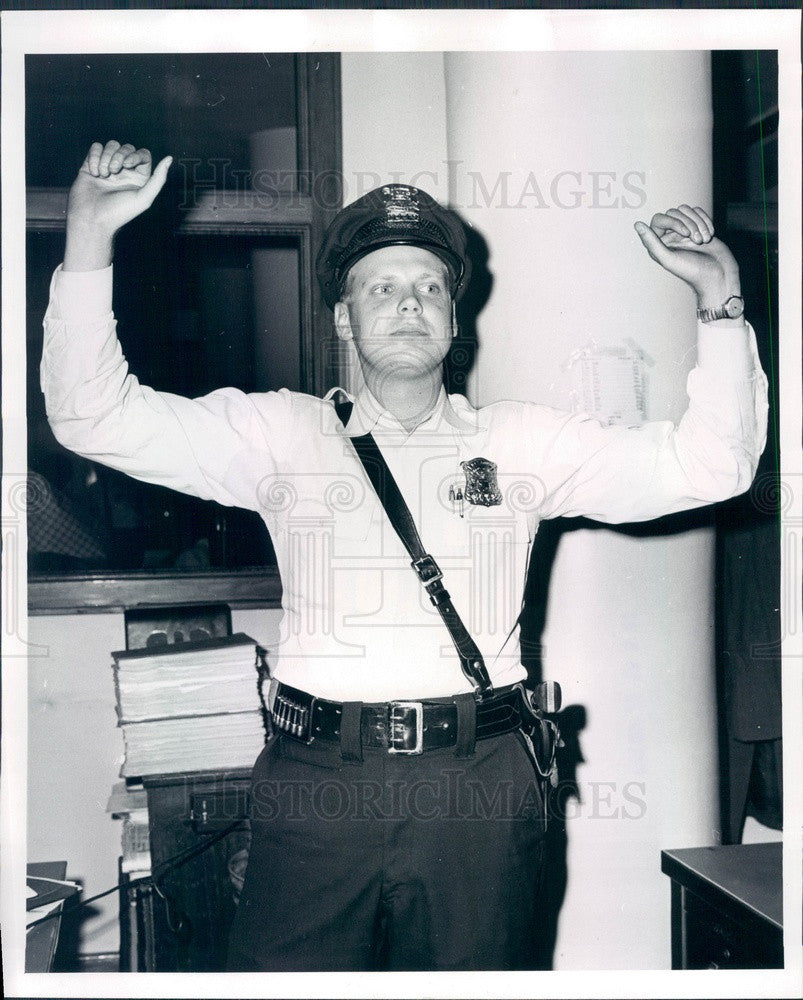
409,303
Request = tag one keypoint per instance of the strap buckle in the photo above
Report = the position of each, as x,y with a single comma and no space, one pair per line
482,693
428,570
400,725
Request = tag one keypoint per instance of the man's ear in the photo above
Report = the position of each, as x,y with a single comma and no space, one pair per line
454,319
343,321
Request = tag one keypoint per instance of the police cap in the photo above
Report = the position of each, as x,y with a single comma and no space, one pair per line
391,215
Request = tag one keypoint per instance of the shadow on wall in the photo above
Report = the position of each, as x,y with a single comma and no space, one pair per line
463,353
76,917
572,719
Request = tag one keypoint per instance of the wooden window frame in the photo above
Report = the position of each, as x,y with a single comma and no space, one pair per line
303,216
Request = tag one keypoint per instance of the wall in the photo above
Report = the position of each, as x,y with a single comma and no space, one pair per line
394,122
572,153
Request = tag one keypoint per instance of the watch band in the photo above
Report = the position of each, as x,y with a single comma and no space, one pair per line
731,308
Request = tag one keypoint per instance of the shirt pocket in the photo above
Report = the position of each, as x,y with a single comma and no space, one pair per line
468,527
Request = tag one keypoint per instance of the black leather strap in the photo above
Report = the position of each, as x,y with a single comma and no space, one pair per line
455,722
349,718
426,568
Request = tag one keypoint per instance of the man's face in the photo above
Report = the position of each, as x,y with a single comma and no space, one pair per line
398,310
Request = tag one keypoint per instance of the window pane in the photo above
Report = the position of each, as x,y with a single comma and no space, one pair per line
195,313
221,116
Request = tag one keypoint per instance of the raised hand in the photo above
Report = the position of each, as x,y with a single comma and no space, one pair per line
114,185
682,241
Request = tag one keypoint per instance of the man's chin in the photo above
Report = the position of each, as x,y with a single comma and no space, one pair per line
406,362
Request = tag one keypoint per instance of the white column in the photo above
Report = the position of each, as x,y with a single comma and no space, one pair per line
394,132
553,157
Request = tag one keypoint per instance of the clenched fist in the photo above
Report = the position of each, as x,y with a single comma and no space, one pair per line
114,185
682,241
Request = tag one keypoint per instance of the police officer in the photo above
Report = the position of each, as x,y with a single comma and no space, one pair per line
397,814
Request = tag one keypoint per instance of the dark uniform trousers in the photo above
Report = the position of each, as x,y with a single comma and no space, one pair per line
392,862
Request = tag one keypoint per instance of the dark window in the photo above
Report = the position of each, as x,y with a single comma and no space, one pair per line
212,288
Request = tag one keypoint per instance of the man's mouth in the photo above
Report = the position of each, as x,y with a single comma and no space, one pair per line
409,330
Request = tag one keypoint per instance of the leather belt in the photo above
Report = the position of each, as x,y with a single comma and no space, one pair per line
402,727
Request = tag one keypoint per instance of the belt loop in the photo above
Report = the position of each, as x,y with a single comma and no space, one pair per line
350,737
466,725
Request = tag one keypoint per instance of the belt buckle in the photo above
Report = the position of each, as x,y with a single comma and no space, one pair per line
394,722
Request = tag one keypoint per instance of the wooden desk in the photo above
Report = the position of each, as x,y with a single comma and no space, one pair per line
189,933
727,906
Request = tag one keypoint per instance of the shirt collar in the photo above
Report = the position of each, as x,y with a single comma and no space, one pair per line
369,417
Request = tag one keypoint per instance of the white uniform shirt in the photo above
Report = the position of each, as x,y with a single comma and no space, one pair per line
357,624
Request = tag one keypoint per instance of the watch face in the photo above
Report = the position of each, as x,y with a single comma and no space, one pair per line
734,306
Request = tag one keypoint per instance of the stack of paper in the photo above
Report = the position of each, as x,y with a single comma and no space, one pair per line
189,707
197,743
130,803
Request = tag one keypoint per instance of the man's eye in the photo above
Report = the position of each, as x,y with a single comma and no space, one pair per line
383,289
432,288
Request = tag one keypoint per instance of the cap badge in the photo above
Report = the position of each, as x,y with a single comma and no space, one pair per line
401,205
482,488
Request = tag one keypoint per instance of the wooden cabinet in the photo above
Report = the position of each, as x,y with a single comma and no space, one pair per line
727,906
198,824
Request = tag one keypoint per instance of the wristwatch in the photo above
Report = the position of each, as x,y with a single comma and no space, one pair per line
731,308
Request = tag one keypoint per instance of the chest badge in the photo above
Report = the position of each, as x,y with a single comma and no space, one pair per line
482,488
